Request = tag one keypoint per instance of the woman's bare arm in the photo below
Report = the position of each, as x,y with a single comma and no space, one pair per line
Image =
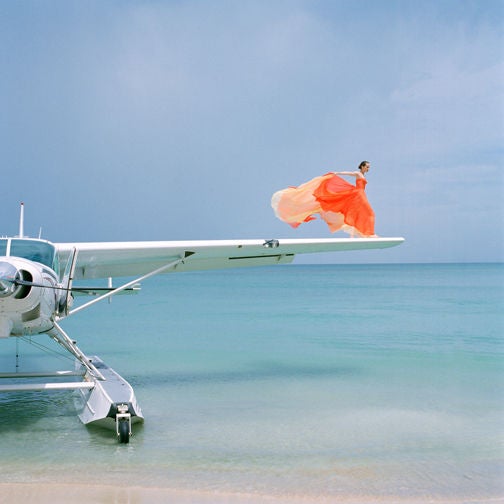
356,174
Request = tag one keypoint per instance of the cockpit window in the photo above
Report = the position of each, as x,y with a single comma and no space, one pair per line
3,247
33,250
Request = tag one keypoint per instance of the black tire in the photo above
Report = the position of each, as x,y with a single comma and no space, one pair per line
124,434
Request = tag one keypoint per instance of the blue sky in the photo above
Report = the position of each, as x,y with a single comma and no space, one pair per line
131,120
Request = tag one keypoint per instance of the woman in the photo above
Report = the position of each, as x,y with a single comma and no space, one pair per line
340,204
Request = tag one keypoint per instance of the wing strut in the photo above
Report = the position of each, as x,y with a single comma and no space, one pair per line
136,280
64,340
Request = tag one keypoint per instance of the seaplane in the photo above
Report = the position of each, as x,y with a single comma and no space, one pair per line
40,280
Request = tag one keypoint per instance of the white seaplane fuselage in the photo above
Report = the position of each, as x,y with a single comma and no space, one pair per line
32,300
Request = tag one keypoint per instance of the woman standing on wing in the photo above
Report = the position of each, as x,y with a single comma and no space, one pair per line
340,204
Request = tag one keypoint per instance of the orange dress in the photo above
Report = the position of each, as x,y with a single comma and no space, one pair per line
340,204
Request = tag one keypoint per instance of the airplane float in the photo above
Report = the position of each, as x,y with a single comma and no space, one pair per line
38,281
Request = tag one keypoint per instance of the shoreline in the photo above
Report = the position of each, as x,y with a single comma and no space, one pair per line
78,493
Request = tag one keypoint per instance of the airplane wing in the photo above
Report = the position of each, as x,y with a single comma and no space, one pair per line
120,259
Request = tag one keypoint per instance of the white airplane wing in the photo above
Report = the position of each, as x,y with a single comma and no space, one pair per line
120,259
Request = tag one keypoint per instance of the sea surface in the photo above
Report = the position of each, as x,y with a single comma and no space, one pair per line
316,380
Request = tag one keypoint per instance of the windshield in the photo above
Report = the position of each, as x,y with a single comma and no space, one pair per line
3,247
34,250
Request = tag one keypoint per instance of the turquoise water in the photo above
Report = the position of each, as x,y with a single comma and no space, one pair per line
312,380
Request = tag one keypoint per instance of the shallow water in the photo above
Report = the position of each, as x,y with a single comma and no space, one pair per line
316,380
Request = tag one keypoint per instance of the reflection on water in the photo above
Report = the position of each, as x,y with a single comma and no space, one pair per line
19,410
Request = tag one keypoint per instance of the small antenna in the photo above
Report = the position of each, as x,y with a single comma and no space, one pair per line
21,221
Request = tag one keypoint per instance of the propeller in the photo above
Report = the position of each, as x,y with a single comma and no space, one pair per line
8,278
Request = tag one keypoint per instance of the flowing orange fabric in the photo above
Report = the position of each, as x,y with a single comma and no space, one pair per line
340,204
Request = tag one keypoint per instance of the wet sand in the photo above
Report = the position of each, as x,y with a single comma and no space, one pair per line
49,493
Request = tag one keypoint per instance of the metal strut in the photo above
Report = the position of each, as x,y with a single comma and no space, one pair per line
171,264
61,337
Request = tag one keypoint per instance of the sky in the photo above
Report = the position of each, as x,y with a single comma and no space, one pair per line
171,120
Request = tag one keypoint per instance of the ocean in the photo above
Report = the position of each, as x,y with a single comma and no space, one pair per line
301,380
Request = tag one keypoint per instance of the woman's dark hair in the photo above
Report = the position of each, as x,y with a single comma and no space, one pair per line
362,164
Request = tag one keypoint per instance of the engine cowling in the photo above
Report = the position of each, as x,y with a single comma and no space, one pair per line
26,308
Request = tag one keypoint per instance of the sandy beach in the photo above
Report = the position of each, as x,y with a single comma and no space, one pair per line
103,494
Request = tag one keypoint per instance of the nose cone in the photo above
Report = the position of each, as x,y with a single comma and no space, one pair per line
8,275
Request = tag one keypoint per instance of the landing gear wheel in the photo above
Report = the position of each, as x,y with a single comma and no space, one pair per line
123,429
